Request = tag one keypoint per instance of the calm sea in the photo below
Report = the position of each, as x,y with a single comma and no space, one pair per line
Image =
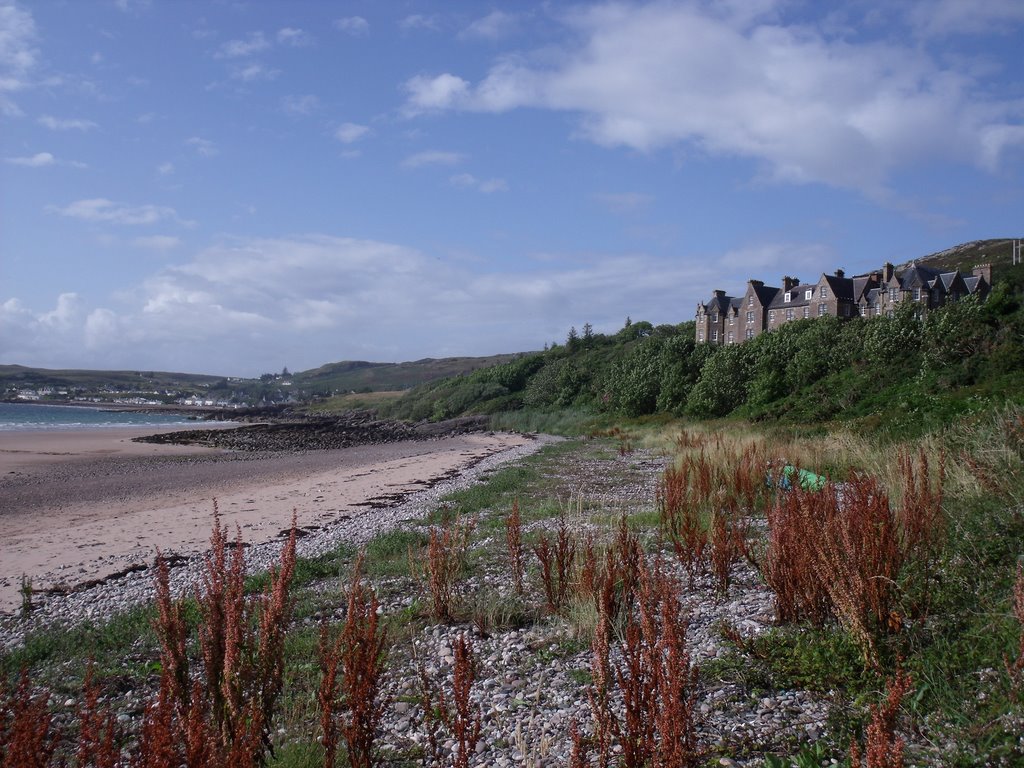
18,416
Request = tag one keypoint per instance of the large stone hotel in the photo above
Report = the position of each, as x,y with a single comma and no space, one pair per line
734,319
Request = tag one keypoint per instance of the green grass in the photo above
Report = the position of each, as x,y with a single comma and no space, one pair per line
387,554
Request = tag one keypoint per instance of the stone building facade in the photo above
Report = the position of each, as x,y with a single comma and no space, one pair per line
734,319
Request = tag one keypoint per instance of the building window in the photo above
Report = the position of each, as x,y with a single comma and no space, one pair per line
714,318
771,315
878,311
750,317
863,310
731,319
917,294
750,300
714,335
823,292
700,336
808,293
787,297
789,314
807,312
822,309
892,295
730,337
889,313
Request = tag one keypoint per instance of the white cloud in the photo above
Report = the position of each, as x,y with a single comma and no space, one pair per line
244,306
353,25
18,55
432,93
68,124
486,186
38,160
296,38
99,209
305,104
233,49
132,5
420,21
433,157
253,71
495,25
165,169
347,133
157,242
202,146
810,107
946,18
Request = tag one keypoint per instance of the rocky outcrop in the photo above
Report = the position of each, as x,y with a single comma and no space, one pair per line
318,433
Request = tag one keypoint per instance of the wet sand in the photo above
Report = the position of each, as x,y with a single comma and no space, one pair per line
83,505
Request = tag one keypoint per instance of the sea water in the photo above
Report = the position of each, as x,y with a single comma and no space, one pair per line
22,416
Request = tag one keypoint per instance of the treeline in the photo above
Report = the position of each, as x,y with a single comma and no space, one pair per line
903,372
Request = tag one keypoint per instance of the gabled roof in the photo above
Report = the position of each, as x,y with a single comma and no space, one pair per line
972,283
917,277
841,287
735,302
765,293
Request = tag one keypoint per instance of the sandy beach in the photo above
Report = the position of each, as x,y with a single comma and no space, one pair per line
83,505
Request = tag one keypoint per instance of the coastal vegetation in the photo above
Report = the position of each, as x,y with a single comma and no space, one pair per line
646,595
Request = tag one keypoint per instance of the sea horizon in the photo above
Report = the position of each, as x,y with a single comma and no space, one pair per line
17,417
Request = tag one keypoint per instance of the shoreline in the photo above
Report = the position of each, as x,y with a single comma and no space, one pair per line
89,512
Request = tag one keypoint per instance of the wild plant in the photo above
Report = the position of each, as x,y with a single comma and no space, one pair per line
680,497
227,714
921,521
556,565
1015,669
98,735
578,753
514,542
728,542
456,712
360,648
858,556
442,570
883,748
25,726
788,563
656,679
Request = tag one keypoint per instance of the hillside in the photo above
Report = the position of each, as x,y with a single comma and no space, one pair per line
965,256
362,376
907,373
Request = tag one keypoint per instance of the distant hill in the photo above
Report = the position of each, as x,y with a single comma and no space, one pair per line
33,378
362,376
333,378
966,256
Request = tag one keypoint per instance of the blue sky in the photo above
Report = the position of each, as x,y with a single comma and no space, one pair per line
234,187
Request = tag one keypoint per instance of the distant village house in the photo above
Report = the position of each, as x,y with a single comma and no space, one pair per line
735,319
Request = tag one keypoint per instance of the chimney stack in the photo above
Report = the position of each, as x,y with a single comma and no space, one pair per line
789,282
888,271
840,274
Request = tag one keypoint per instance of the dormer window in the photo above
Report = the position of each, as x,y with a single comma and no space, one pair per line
787,297
808,293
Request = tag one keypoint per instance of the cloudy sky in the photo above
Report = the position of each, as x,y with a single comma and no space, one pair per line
233,187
